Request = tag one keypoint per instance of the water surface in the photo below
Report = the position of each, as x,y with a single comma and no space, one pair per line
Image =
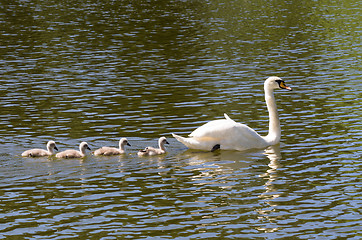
95,71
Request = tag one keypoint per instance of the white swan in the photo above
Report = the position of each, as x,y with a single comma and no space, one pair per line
228,134
151,151
41,152
71,153
107,151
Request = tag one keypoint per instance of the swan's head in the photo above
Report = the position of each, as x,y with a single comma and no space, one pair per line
123,142
275,83
51,145
83,145
162,141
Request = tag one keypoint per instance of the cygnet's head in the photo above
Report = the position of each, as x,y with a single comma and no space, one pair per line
275,83
123,141
51,145
83,145
162,141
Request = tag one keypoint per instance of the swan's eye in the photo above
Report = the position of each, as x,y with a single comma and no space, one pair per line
281,83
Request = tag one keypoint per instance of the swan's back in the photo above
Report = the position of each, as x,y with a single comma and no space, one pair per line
229,134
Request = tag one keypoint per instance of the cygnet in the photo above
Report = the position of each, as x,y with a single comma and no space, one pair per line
151,151
71,153
107,151
41,152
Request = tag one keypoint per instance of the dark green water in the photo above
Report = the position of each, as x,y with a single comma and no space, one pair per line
97,71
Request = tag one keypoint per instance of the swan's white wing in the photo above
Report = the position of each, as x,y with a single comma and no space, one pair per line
227,117
213,128
229,134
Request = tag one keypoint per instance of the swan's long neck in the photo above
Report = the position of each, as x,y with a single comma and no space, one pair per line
274,134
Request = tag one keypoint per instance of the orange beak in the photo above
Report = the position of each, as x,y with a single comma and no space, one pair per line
282,85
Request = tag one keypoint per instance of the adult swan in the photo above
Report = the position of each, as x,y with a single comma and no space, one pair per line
228,134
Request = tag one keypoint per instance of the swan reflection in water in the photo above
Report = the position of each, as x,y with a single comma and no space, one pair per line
226,160
238,171
266,213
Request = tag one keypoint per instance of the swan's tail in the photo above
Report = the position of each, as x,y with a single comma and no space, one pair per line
197,143
188,142
179,138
